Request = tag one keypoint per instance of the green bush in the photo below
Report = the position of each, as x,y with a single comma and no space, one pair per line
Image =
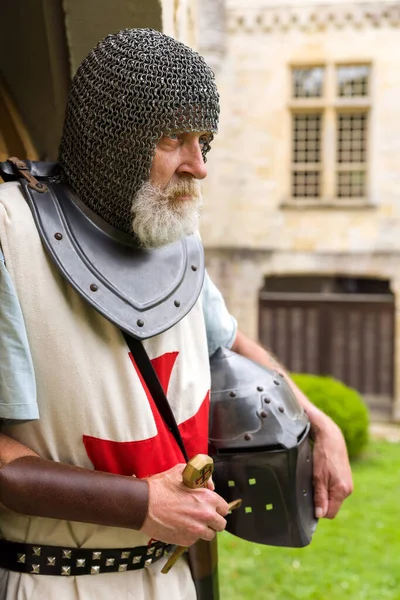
343,404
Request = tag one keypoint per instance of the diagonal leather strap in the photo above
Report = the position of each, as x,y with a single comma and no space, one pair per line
154,386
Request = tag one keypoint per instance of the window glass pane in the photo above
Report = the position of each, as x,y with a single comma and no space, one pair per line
307,138
307,83
352,137
351,184
306,184
353,80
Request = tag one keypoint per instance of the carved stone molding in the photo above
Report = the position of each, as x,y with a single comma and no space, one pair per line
312,18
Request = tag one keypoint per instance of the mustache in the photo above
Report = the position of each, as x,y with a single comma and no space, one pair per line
182,187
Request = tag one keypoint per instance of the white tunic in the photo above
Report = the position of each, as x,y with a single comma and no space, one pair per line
95,412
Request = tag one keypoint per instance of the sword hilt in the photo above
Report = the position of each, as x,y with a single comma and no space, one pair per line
195,475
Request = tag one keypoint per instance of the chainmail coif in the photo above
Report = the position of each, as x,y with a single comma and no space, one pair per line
133,87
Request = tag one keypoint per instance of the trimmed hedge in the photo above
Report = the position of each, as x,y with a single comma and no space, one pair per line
343,404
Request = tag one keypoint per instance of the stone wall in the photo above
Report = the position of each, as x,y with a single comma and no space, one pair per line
250,228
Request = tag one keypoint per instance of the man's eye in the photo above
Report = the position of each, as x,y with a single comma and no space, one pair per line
205,141
173,136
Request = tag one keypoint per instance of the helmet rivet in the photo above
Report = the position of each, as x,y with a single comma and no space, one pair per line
247,437
194,268
264,414
281,375
177,303
267,400
232,394
94,287
281,409
139,323
58,236
260,388
276,382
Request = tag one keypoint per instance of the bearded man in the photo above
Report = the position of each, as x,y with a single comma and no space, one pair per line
99,252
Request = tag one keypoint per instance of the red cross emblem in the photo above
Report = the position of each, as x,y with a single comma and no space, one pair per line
161,452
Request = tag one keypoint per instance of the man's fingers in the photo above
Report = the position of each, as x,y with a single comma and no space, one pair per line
321,501
209,534
336,498
217,522
210,484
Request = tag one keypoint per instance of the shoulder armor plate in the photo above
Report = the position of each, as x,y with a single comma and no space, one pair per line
143,292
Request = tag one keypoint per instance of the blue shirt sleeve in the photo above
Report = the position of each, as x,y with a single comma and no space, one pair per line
18,401
221,327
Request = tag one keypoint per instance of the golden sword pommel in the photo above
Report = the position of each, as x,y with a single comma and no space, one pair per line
195,475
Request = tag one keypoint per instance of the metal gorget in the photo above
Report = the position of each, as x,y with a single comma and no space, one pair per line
143,292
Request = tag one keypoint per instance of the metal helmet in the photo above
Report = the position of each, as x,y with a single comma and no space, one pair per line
259,440
134,87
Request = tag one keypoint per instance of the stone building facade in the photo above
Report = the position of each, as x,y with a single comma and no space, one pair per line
304,176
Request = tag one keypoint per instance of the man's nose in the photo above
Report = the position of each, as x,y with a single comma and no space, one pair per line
193,162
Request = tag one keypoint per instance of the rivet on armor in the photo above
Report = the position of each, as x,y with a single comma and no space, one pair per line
58,235
281,409
276,382
194,268
281,375
304,492
232,394
177,303
94,287
263,414
139,323
247,437
267,400
260,388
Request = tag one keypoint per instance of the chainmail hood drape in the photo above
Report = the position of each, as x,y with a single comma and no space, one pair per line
133,87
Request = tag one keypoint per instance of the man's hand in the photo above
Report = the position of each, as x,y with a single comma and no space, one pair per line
180,515
332,474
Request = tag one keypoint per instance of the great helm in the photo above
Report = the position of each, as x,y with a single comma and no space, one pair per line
259,440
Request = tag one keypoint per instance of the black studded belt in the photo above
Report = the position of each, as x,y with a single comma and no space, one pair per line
61,560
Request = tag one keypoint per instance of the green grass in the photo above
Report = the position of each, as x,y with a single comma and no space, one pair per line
355,556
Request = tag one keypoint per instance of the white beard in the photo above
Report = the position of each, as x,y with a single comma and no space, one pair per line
160,217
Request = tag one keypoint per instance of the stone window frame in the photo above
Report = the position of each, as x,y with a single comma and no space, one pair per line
330,105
